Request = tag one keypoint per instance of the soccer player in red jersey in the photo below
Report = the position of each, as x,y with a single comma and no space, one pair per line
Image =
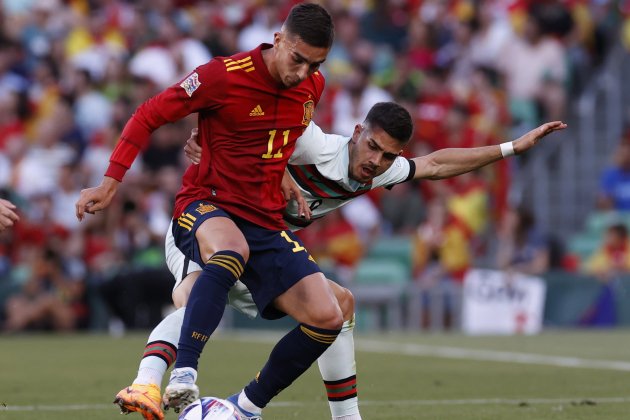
229,212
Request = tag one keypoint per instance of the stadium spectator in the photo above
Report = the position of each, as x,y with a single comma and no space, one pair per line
441,246
534,68
520,246
402,209
612,258
352,103
49,298
340,58
335,244
615,181
610,261
442,254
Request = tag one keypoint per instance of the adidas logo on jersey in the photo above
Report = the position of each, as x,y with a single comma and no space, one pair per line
257,112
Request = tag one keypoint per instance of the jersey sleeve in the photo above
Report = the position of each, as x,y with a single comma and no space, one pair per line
202,89
401,170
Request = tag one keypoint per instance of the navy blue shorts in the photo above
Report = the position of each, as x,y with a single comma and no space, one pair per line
277,259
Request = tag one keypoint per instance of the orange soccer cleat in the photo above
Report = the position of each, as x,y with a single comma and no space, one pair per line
144,399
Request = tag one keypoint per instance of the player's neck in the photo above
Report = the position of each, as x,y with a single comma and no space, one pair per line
268,57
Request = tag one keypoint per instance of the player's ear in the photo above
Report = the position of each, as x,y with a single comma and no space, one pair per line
357,133
277,37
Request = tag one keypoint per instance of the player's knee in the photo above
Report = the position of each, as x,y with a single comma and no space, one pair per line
329,317
346,304
240,247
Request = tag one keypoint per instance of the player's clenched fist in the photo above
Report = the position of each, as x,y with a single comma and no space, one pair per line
94,199
8,216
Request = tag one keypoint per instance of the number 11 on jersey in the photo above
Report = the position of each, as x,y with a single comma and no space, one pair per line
272,136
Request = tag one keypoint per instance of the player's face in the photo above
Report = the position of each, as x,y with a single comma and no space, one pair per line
295,60
372,152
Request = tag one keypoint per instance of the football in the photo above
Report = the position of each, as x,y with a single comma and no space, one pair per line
210,408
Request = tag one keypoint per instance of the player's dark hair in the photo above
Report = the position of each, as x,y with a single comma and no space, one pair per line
392,118
312,23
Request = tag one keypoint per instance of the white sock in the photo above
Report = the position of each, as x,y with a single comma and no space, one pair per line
338,368
246,404
161,349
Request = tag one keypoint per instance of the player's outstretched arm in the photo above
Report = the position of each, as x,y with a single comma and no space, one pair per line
446,163
94,199
8,216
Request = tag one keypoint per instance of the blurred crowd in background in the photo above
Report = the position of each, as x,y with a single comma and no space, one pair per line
471,73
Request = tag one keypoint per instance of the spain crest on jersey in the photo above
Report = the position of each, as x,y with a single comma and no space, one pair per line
191,83
309,107
205,208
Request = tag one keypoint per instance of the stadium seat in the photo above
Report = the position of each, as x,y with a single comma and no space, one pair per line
598,222
379,285
584,244
397,248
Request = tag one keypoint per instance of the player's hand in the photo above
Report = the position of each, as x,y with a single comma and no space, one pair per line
530,139
8,216
94,199
290,190
192,148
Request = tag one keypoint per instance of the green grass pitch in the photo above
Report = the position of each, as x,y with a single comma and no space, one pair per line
557,375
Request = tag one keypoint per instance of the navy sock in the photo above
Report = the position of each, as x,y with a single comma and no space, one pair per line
206,305
291,357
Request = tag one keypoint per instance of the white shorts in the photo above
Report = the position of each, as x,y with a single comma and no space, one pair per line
180,266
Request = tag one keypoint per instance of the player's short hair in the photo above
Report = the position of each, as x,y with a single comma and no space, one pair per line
392,118
312,23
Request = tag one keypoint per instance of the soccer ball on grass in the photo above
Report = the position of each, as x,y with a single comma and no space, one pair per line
210,408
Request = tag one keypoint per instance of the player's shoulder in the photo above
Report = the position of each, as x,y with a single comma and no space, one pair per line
398,172
241,62
319,81
322,141
318,77
315,146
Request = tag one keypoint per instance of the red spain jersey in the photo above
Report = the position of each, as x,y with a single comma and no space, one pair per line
248,125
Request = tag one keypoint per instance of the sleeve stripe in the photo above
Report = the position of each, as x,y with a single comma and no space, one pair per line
412,170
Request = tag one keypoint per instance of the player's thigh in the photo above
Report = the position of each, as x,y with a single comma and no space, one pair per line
220,234
311,301
345,299
203,229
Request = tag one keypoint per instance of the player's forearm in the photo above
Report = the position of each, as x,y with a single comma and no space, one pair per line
152,114
134,137
446,163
